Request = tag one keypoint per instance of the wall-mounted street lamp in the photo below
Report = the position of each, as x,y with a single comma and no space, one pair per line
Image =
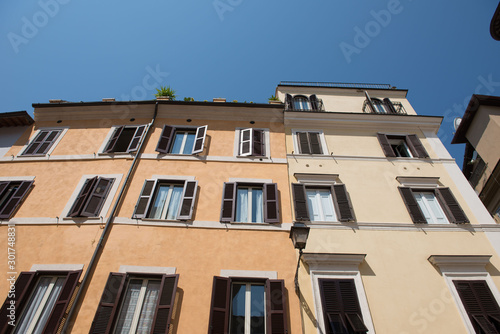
299,233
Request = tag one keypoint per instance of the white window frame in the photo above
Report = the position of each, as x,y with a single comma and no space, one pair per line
425,202
63,129
398,142
110,134
337,266
464,268
185,132
296,146
237,144
320,204
107,203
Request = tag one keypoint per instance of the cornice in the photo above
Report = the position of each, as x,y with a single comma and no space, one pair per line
460,263
332,259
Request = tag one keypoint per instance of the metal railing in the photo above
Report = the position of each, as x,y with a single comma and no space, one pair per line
400,110
321,107
336,85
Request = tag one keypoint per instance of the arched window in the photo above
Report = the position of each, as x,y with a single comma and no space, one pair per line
379,106
301,102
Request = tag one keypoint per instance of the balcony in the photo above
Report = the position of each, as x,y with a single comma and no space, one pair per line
305,106
382,107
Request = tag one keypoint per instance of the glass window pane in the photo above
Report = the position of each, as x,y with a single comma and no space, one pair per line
33,304
128,307
238,309
148,307
257,206
159,201
242,205
175,201
178,138
49,305
257,307
188,146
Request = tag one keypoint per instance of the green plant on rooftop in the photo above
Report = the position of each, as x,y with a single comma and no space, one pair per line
273,98
189,99
165,91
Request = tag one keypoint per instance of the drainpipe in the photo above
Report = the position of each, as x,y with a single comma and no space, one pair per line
370,102
100,244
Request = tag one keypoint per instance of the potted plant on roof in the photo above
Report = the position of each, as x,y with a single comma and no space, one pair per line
274,100
165,93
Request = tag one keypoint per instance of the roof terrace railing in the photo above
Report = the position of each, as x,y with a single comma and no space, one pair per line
336,85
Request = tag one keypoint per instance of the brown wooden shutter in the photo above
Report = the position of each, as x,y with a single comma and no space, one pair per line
144,199
15,200
300,201
42,142
62,302
386,147
258,143
136,139
114,138
288,102
246,146
109,304
219,308
33,146
277,322
271,205
228,202
188,200
199,141
165,138
389,106
82,197
303,141
416,146
163,316
454,211
314,140
350,301
3,186
345,210
97,197
314,102
23,286
411,204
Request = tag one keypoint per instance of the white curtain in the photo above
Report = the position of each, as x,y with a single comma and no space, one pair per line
49,305
242,205
159,203
148,308
33,305
257,206
128,307
175,199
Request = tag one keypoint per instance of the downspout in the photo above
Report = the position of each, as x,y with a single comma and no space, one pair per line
110,220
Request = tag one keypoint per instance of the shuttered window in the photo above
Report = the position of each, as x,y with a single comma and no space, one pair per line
313,203
41,299
125,139
341,309
250,203
309,142
480,305
432,206
248,306
42,143
12,193
402,146
91,198
251,142
166,200
179,140
136,304
302,102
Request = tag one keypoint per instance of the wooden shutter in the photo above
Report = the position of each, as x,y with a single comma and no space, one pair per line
163,314
228,202
246,142
114,138
81,199
350,302
389,106
411,204
188,199
219,309
452,207
300,201
199,142
343,203
59,308
314,102
303,141
271,205
109,304
144,200
277,322
258,143
15,200
23,286
136,139
288,102
415,144
33,146
3,185
97,197
386,147
314,140
165,138
47,142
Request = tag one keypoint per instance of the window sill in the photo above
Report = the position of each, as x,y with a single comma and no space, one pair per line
243,223
163,220
253,157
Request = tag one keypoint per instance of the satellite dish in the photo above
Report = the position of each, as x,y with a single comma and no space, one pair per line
456,122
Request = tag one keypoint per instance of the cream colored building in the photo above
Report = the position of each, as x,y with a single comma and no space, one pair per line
399,242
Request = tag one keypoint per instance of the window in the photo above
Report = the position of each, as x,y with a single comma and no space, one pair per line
244,306
12,193
402,146
309,142
166,200
432,206
251,142
91,198
250,203
341,309
125,139
380,107
42,142
322,203
41,299
303,103
136,303
182,140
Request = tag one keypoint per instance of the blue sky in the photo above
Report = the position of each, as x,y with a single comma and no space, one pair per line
442,52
